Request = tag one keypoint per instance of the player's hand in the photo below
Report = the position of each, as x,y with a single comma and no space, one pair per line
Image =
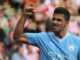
28,10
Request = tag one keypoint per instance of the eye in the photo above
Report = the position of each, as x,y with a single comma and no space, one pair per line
59,19
53,19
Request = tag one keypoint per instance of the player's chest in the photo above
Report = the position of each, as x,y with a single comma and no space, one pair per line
62,51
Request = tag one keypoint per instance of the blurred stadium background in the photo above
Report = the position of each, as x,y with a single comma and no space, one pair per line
10,12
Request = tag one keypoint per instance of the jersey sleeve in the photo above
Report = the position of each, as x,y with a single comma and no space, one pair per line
35,38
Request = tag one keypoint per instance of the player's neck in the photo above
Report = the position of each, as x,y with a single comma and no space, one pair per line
61,34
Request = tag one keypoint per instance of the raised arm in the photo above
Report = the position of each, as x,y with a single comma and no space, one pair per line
18,33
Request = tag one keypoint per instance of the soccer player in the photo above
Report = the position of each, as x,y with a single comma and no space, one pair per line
55,45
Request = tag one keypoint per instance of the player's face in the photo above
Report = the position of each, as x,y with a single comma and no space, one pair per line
58,23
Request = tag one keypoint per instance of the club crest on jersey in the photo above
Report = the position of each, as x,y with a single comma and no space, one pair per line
71,48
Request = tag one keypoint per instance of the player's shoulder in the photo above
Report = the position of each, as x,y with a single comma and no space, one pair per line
74,36
42,33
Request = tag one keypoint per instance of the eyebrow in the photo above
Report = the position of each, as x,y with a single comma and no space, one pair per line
56,18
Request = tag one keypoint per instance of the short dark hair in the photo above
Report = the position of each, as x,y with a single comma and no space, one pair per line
61,10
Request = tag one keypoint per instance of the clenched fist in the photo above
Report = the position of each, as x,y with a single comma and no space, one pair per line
28,10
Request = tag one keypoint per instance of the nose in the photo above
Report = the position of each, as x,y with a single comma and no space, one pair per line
55,21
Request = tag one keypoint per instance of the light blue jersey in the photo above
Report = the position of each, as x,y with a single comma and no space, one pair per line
54,48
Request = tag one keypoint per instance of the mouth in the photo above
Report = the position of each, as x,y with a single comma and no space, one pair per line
54,26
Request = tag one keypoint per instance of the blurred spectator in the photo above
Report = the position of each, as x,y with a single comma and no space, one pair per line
17,4
4,22
11,49
3,55
64,3
73,8
70,5
2,35
41,19
73,26
32,53
2,1
8,9
19,54
12,22
50,5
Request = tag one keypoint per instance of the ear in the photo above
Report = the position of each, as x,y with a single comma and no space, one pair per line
67,22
